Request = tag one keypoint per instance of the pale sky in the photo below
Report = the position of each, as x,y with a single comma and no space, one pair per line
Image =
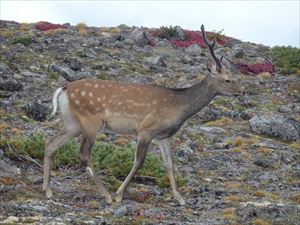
263,22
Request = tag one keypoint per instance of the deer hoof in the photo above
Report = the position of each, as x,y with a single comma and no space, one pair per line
119,198
49,193
181,201
108,199
179,198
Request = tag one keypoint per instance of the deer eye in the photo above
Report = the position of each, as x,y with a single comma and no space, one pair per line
227,81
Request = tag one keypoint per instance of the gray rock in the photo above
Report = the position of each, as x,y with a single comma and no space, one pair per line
8,170
184,153
194,50
7,82
69,74
36,110
66,72
140,37
121,211
285,109
38,208
211,130
179,35
73,63
10,84
270,176
155,61
209,114
5,70
238,52
186,59
262,163
276,126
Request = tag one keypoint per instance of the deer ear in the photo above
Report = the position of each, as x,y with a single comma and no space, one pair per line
211,67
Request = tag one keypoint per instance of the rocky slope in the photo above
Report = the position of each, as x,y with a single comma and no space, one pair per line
240,156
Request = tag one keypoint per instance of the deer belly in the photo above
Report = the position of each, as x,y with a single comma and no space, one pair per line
121,125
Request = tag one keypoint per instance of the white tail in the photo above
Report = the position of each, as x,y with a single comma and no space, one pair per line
54,100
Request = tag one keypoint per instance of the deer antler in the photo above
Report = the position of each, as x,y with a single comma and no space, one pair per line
211,49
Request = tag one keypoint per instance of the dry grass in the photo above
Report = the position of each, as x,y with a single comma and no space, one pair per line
3,126
233,185
229,214
296,198
264,150
53,32
235,198
25,27
115,30
268,195
82,29
121,141
238,141
261,221
295,145
7,33
260,193
236,150
219,122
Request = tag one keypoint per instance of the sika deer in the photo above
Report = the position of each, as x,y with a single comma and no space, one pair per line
150,112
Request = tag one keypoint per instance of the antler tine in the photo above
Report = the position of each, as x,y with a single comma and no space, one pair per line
211,49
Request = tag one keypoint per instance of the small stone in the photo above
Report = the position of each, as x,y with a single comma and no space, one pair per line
73,63
285,109
10,220
194,50
10,84
261,163
121,211
39,208
238,52
184,153
36,110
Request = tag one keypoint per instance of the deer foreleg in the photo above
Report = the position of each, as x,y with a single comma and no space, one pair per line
164,146
85,158
139,159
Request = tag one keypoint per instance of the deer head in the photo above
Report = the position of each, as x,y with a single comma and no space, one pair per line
220,79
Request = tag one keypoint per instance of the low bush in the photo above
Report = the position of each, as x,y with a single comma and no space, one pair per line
25,40
113,160
170,33
256,68
195,37
287,59
44,26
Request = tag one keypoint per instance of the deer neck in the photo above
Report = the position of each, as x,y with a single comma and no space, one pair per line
198,96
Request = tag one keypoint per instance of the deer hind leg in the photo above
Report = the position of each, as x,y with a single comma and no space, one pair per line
53,145
164,146
85,158
139,159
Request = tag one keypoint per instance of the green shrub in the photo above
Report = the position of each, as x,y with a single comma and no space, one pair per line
32,146
118,161
114,160
287,59
170,33
25,40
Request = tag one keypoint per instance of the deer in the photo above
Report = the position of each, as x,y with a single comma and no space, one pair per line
152,113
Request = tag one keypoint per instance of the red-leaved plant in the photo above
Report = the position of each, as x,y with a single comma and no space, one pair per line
44,26
256,68
194,37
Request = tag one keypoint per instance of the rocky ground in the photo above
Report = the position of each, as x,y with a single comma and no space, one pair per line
240,156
